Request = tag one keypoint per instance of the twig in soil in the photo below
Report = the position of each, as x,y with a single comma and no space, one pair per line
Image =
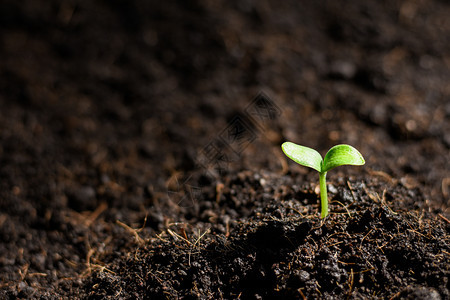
194,244
227,246
382,246
351,190
23,271
350,285
360,244
345,263
297,211
101,268
317,289
90,266
197,241
383,201
371,196
118,293
219,188
176,236
159,236
227,226
134,232
301,293
202,235
430,236
443,218
364,271
384,175
343,232
94,215
395,295
37,274
337,243
183,233
415,231
444,185
348,212
6,284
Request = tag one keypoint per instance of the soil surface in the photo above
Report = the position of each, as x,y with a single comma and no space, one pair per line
140,149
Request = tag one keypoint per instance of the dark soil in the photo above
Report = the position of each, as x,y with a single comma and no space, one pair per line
140,149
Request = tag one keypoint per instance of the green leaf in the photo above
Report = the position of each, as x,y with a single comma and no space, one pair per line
303,155
342,155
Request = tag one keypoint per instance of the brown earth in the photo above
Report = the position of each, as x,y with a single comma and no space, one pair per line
140,149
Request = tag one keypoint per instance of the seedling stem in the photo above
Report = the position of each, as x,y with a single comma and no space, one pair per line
323,194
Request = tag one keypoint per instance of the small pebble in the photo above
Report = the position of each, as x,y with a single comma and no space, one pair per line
332,189
303,275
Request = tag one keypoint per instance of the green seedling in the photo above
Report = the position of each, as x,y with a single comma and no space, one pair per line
337,156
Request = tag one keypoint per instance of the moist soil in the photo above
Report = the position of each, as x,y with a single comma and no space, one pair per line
140,149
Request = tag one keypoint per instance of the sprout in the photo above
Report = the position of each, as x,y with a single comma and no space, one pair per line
337,156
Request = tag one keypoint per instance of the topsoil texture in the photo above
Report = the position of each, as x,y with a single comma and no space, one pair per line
140,149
